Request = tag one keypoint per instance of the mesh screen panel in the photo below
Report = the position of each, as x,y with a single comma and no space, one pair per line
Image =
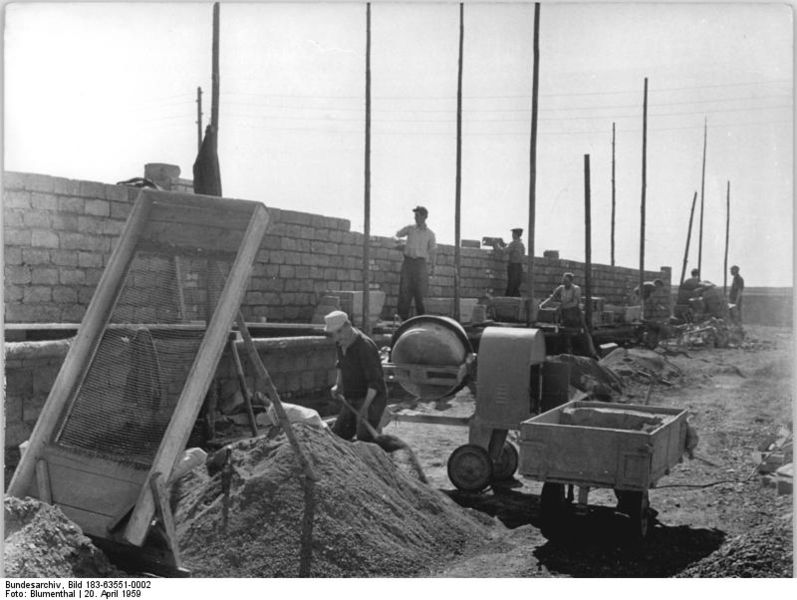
131,387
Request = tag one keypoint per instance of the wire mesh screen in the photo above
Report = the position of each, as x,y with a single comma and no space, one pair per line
130,390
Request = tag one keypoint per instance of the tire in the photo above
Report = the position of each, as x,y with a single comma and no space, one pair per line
470,468
506,465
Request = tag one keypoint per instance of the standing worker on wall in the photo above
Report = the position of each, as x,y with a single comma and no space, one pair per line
420,256
516,252
359,380
735,295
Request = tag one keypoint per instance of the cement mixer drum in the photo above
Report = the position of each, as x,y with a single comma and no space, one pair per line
429,356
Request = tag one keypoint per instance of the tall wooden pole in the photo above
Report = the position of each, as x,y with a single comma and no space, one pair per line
688,238
214,96
644,186
457,252
198,118
366,317
613,195
587,245
702,196
727,239
535,85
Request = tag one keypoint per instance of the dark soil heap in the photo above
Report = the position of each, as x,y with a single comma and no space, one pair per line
371,519
41,542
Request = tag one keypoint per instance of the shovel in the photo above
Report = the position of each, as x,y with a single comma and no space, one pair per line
388,443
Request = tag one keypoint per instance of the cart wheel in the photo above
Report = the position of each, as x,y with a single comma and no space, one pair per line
470,468
506,465
637,506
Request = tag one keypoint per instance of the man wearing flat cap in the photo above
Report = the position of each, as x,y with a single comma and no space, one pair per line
359,379
420,256
515,252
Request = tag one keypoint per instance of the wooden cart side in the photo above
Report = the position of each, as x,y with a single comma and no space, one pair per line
586,456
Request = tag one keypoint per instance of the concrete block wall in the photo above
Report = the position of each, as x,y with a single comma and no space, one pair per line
59,234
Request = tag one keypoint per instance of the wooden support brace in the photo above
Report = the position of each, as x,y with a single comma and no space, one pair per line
244,388
273,396
43,481
164,514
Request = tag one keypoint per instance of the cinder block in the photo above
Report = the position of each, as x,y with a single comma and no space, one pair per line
36,256
89,259
16,237
12,180
64,295
46,202
91,189
17,432
64,258
71,276
100,208
34,294
71,204
13,256
44,238
32,407
120,210
42,276
64,222
20,275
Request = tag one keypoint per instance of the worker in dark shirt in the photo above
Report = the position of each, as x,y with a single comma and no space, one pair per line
516,252
359,380
735,295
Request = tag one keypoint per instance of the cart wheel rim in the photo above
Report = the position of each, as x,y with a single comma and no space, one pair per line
470,468
506,465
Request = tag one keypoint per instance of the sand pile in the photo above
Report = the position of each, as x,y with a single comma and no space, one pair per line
41,542
370,517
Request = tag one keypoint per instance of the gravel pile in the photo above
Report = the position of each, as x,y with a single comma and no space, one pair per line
371,518
766,551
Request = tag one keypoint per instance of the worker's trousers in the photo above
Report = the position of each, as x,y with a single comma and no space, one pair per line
514,277
413,286
348,423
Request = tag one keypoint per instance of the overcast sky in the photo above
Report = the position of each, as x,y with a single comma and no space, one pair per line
95,91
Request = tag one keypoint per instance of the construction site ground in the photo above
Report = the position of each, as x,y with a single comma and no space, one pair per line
714,520
373,517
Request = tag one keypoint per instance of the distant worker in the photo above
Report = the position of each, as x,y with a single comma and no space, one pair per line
359,379
568,295
735,295
516,252
688,287
648,287
686,291
420,256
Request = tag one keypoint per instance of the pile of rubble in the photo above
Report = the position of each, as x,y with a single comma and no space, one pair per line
765,551
370,518
40,541
709,333
641,365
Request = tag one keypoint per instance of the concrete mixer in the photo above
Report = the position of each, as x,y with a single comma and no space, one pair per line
432,358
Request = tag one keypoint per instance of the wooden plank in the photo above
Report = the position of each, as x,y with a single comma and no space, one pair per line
90,522
194,215
92,492
164,514
43,481
59,456
189,200
82,348
201,374
431,419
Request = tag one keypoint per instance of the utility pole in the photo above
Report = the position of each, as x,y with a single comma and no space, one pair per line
367,219
457,210
535,86
727,239
688,238
613,197
587,245
644,185
702,196
198,118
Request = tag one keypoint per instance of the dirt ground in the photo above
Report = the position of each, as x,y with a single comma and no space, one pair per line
708,508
